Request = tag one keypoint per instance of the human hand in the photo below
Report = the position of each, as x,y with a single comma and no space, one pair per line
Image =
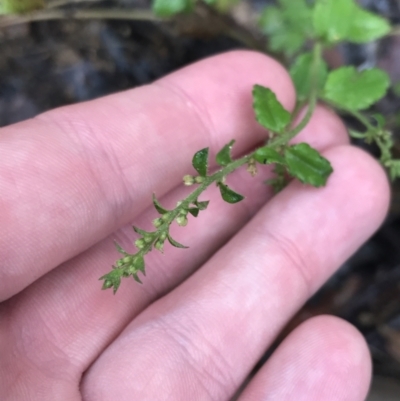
72,177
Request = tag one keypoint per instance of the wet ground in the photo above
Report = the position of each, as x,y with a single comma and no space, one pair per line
48,64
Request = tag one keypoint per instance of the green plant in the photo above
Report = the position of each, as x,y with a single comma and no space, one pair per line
291,29
301,31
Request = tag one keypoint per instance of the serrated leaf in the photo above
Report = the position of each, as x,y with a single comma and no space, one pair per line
138,263
303,77
306,164
119,248
176,244
201,205
194,211
269,111
332,19
267,155
366,27
228,195
158,207
20,6
224,156
353,90
140,231
200,162
168,8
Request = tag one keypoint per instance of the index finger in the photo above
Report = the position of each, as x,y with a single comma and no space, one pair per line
70,177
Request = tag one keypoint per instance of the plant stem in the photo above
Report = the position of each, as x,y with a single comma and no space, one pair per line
100,13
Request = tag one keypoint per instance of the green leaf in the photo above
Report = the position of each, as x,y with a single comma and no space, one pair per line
224,156
269,111
168,8
306,164
303,77
119,248
201,205
228,195
288,26
333,19
366,27
194,211
176,244
267,155
338,20
138,263
158,207
141,232
112,280
20,6
353,90
200,162
136,278
380,120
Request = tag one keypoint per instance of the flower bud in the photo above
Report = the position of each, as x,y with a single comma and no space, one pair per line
182,220
159,245
188,180
158,222
148,239
140,243
127,259
199,180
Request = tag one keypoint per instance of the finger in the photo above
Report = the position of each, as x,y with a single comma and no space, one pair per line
72,176
85,319
204,337
324,359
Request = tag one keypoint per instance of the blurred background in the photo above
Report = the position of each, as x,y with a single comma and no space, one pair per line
92,48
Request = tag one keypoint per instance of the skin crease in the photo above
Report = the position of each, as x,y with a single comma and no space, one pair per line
204,316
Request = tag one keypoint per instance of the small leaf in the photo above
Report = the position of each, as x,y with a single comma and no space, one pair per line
158,207
228,195
140,231
200,162
168,8
112,280
353,90
176,244
380,120
333,19
366,27
194,211
20,6
269,111
201,205
138,263
224,156
119,248
306,164
136,278
267,155
303,77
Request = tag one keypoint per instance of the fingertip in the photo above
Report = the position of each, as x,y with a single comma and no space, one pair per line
365,181
325,358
